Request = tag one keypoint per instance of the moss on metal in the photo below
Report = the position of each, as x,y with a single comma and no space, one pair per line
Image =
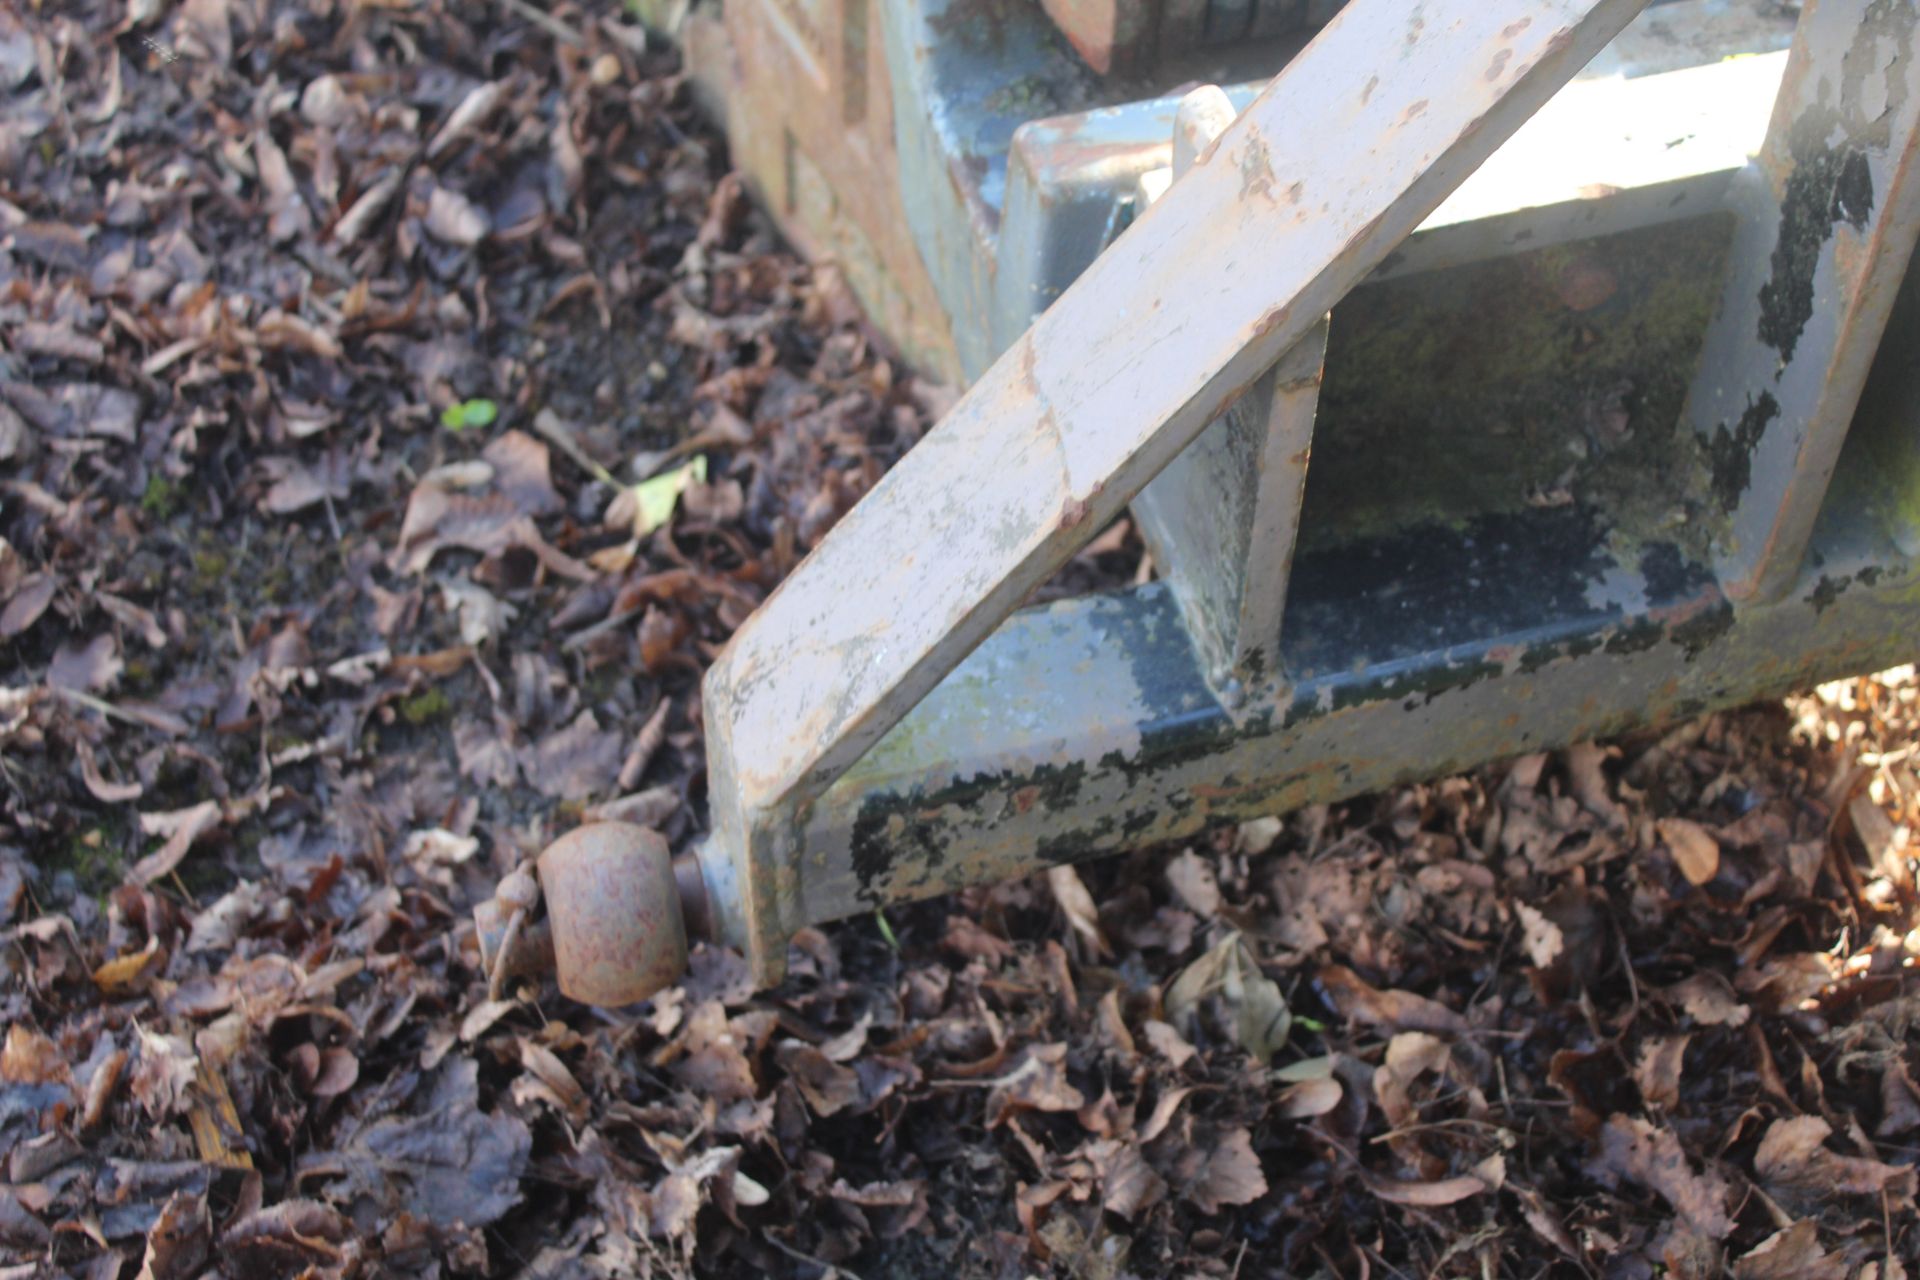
1537,379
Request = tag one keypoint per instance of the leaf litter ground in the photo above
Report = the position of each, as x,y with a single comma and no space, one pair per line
339,340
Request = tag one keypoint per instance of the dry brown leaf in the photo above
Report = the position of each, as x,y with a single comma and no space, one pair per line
1070,892
61,341
1899,1101
288,215
31,1058
1425,1195
121,975
1262,1022
1038,1083
1410,1055
1545,1224
1792,1254
29,600
180,1239
1791,981
482,1017
282,330
828,1087
454,219
438,519
1128,1183
545,1065
1708,1001
285,1239
1542,938
1657,1070
1636,1151
1163,1113
1230,1174
1694,849
1167,1042
1794,1162
909,1194
1355,998
297,485
86,668
134,618
576,762
1586,770
474,110
1308,1098
446,1160
521,472
102,790
1878,835
163,1074
181,827
715,1065
1192,878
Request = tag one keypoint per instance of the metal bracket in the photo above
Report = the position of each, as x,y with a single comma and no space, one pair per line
1221,520
1828,220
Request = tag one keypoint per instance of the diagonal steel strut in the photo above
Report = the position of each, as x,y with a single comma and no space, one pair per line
1350,148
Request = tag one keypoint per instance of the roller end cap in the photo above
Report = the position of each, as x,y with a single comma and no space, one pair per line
618,932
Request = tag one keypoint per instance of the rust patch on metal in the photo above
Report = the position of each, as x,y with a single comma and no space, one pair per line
1026,356
1076,510
1827,188
1256,169
1271,321
1499,64
1414,111
618,934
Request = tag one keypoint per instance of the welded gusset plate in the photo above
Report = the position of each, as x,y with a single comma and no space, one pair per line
1221,520
1233,266
1829,215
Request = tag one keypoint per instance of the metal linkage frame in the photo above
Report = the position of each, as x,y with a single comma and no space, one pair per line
886,726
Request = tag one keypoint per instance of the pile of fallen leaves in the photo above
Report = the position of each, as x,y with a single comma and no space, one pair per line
399,405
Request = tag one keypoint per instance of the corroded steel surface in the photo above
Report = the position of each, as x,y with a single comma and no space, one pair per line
1829,218
1088,728
1162,333
618,935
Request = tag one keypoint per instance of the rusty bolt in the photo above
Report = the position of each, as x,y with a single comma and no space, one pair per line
618,932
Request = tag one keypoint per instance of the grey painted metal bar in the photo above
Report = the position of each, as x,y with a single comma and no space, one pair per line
1221,520
1005,209
1087,727
1602,156
1829,215
1160,335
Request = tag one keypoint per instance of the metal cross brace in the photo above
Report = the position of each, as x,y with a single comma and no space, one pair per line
1828,219
1363,135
